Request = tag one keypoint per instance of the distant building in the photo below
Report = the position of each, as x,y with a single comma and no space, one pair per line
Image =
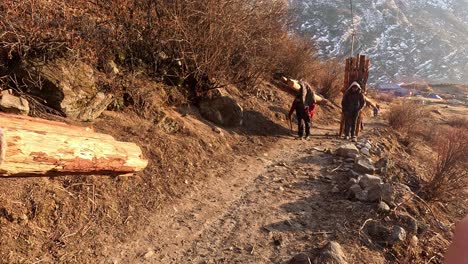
394,89
388,87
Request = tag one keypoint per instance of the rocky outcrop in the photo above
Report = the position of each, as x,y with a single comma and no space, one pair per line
9,103
67,86
220,108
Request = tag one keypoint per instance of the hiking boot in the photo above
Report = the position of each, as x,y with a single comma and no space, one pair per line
346,137
307,138
354,139
298,138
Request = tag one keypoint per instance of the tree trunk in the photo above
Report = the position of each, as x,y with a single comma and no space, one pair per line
36,147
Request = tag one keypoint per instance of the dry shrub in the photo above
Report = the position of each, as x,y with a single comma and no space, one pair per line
330,78
383,97
199,44
406,115
449,174
458,122
295,57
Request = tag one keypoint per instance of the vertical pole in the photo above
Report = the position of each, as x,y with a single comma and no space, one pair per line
353,30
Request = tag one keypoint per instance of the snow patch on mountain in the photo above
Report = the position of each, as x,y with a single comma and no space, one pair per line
406,39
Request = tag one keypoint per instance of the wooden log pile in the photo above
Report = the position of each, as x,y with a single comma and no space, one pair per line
356,70
35,147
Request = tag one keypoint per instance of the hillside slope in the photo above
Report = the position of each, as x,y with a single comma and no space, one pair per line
407,40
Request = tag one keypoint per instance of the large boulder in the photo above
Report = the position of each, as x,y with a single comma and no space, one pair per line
220,108
10,103
67,86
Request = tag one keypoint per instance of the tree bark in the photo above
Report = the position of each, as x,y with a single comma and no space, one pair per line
36,147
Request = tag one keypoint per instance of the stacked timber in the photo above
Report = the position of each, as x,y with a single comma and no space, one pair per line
34,147
356,70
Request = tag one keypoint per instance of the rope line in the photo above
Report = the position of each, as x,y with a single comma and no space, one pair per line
353,28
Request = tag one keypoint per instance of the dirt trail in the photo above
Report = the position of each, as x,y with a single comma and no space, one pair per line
262,210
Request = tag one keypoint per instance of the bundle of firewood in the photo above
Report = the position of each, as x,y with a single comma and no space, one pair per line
356,70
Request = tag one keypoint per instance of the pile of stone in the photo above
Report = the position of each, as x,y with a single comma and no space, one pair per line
364,185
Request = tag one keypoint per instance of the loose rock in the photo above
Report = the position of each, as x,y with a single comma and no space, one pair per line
301,258
368,181
222,109
365,151
383,207
347,151
374,193
358,193
10,103
364,165
331,253
398,235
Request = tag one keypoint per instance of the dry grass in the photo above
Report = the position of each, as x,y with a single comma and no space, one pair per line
405,116
458,122
382,97
449,174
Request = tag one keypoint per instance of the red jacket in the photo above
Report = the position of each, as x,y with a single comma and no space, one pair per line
310,110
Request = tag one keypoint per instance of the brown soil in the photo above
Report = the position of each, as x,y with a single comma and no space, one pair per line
249,195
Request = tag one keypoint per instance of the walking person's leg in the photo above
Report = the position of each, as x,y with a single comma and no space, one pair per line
347,120
300,124
353,123
307,122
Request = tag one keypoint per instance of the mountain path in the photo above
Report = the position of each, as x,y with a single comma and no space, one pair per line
264,210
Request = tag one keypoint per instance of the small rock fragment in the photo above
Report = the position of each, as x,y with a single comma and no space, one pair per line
301,258
383,207
398,235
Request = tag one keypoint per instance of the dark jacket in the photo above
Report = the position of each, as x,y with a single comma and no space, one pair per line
353,101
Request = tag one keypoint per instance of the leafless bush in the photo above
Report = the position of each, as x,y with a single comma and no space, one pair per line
382,97
405,116
458,122
198,44
295,57
330,79
449,174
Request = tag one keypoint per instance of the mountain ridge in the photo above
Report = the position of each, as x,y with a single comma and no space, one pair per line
406,40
